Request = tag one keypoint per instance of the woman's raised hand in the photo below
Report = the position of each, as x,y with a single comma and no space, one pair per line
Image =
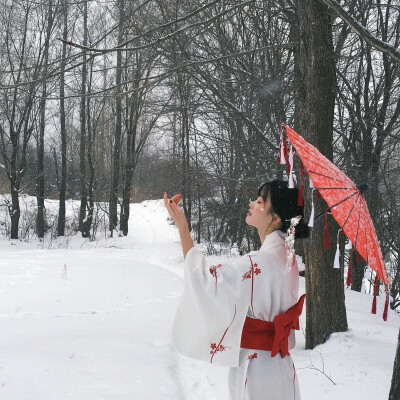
175,211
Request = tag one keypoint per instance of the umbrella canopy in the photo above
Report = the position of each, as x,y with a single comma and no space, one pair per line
345,201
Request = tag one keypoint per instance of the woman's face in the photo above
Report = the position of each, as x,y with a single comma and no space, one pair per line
259,214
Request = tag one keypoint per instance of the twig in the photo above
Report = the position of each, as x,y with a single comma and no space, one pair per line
318,369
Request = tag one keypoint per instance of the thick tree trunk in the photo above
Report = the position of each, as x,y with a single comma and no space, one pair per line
126,197
326,312
14,209
15,212
357,273
395,387
129,166
82,145
63,183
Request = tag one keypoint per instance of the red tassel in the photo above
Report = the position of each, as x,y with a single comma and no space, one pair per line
326,231
348,280
385,311
373,311
300,201
285,152
359,258
319,195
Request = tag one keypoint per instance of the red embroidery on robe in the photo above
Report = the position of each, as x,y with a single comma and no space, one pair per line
254,270
219,347
213,272
252,357
216,348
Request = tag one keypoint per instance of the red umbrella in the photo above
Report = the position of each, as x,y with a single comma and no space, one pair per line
345,201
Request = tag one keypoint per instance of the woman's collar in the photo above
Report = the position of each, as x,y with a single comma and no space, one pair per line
275,238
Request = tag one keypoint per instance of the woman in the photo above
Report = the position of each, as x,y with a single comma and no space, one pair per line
226,315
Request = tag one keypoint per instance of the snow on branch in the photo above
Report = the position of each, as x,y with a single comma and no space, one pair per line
362,31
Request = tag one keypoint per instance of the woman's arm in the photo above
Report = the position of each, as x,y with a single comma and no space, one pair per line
186,240
180,221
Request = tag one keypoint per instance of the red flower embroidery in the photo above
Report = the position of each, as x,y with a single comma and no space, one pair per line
252,357
213,272
220,347
253,269
216,348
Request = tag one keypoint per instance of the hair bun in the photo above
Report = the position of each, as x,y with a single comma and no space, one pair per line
284,203
302,231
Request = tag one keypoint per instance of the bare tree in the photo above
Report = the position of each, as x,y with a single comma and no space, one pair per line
40,189
83,126
18,105
63,133
118,122
326,312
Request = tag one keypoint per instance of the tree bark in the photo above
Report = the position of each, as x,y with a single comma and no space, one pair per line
357,273
129,166
63,183
394,393
326,312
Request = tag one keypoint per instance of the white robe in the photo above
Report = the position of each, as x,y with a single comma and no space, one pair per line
210,317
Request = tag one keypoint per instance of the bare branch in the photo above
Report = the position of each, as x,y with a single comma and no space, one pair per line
362,31
120,47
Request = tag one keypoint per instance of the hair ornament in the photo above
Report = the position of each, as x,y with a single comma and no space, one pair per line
289,242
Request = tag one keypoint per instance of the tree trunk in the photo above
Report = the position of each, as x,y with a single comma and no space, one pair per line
14,209
126,196
15,212
186,189
40,223
395,387
87,223
19,130
357,273
326,312
82,145
63,183
118,127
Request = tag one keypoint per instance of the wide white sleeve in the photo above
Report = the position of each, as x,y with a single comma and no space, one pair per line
210,317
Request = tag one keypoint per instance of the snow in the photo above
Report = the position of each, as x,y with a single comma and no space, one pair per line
91,320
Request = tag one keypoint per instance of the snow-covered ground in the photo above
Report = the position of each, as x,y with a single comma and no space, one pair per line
90,320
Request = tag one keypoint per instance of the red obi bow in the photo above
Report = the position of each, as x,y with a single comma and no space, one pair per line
272,336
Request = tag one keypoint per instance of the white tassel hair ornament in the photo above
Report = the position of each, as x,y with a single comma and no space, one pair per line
291,261
289,242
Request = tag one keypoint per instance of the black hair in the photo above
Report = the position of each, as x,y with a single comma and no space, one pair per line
284,203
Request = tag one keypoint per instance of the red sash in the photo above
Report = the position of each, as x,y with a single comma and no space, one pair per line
272,336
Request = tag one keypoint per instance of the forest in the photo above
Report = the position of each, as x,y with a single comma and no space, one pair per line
114,102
